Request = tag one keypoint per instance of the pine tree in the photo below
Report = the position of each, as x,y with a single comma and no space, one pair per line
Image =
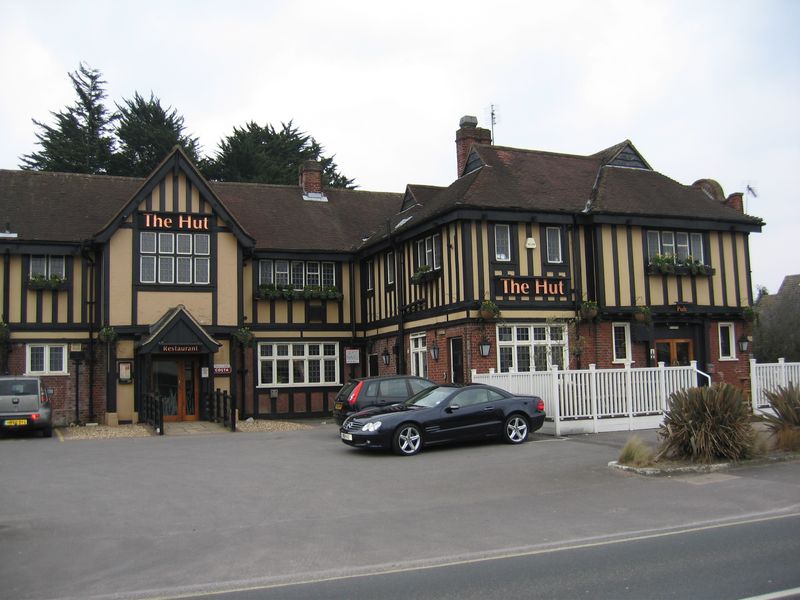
146,133
268,155
80,140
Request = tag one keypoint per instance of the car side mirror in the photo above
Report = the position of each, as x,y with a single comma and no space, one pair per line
453,408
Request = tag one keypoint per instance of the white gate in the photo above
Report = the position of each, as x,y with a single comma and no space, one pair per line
768,377
592,400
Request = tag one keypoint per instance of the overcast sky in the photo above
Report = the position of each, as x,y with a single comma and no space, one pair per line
703,89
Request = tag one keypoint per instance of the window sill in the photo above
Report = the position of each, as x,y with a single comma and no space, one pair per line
728,358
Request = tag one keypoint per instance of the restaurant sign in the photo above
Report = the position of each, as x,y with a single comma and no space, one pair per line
175,221
532,286
179,348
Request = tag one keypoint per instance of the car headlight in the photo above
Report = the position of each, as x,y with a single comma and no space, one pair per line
371,426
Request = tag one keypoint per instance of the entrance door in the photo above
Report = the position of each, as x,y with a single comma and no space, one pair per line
175,383
675,353
457,359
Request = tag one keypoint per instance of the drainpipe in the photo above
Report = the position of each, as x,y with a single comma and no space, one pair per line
352,269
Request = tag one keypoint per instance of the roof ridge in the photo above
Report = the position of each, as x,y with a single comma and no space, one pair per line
533,151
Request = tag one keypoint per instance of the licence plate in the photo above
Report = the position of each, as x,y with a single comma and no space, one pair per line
16,422
338,406
347,436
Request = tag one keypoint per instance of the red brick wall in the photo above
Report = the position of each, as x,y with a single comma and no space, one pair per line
63,399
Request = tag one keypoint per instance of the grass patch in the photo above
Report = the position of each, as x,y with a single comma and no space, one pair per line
635,453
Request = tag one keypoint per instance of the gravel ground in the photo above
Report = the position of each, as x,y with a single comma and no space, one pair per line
94,432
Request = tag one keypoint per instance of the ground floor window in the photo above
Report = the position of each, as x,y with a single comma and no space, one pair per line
290,363
727,343
622,342
531,347
419,355
46,359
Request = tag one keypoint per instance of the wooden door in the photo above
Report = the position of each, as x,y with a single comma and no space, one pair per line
675,353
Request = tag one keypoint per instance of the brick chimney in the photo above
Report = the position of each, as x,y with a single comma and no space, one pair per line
468,134
736,200
311,178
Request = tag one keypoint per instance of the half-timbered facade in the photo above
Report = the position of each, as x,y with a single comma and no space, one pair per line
118,289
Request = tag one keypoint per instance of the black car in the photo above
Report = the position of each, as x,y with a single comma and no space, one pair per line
442,414
365,392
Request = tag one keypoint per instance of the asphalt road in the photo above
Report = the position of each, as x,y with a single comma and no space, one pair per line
159,517
731,561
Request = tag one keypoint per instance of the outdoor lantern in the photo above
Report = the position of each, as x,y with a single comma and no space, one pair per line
744,344
385,356
435,351
484,347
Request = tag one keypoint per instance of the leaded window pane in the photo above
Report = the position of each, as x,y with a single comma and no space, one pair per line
696,242
166,268
39,266
523,358
330,370
264,272
184,243
184,274
553,244
281,272
37,359
314,374
682,245
328,274
57,266
502,243
147,269
312,273
506,358
653,245
147,242
202,244
266,372
202,270
166,243
282,371
298,275
56,359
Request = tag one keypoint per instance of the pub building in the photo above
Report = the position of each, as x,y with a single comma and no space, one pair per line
171,287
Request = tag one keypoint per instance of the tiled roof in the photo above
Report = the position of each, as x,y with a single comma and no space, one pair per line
69,207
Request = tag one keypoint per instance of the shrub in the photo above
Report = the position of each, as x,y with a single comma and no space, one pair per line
705,423
785,423
635,453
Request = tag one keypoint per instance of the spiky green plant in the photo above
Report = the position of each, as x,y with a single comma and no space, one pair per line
705,423
785,423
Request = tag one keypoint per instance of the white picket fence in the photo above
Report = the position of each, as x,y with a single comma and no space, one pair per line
593,400
768,377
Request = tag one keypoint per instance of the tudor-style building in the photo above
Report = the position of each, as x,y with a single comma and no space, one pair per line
117,289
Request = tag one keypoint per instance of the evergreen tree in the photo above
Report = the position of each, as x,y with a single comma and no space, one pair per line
146,133
80,140
268,155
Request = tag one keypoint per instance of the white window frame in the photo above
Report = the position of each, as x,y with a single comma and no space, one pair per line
524,335
265,273
627,340
282,275
47,358
313,275
419,354
502,248
553,245
731,335
298,266
48,266
370,278
390,268
680,244
301,355
163,251
429,251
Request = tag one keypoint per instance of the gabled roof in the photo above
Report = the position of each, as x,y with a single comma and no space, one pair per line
176,161
177,326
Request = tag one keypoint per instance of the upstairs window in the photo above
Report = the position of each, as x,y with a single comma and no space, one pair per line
680,245
171,258
300,274
390,268
502,243
47,267
368,275
429,251
554,255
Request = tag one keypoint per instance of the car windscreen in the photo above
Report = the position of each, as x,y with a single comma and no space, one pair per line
345,391
430,397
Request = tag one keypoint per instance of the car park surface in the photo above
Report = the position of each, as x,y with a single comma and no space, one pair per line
445,414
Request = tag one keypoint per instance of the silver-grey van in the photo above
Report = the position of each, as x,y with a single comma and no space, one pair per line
25,404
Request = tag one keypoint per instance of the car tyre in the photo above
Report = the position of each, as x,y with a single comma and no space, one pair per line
515,429
407,440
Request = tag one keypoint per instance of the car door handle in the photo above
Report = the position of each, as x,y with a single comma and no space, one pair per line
489,408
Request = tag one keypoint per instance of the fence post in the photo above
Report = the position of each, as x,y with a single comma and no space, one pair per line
662,385
556,400
629,393
784,378
755,386
593,395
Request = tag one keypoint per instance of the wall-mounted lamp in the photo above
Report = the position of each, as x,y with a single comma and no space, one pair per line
744,344
435,351
385,357
484,347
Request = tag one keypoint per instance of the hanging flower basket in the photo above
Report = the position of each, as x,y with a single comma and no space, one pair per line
488,310
244,336
642,314
589,310
107,335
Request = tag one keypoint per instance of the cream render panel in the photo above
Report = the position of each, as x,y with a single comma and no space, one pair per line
121,284
227,279
153,305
